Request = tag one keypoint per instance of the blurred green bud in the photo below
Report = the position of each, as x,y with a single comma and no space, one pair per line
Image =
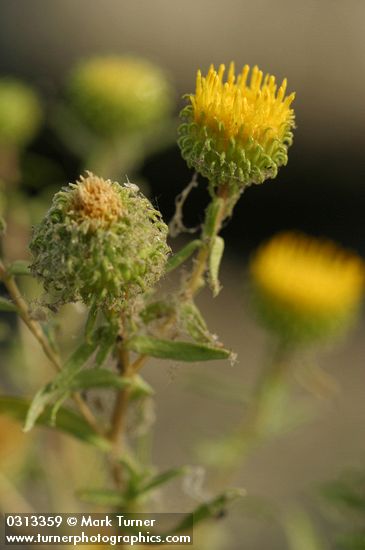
2,226
101,243
20,113
114,95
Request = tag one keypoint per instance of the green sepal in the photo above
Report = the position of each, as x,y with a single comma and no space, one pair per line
179,351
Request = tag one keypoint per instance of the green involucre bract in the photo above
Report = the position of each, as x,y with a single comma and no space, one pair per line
221,160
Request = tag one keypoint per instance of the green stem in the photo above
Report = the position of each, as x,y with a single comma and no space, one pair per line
258,422
119,415
196,279
36,329
269,387
193,285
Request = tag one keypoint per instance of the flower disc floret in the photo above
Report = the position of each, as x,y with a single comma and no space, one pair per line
306,287
237,131
101,243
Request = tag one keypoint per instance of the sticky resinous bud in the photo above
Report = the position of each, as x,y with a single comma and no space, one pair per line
101,243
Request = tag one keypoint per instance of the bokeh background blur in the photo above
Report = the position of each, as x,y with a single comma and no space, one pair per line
319,46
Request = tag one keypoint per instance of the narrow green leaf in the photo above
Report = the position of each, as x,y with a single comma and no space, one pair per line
184,254
102,497
180,351
162,478
107,341
59,389
194,323
7,305
103,378
98,378
215,258
42,398
19,267
212,509
90,322
211,218
77,360
347,492
67,421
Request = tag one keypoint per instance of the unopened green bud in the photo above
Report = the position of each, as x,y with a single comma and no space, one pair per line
20,113
114,95
101,243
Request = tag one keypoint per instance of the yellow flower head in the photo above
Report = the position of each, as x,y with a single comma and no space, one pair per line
306,287
239,130
116,94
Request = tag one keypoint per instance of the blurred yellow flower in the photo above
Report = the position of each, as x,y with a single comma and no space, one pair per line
306,283
12,442
237,130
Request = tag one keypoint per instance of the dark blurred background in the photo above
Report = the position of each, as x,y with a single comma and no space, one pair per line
317,45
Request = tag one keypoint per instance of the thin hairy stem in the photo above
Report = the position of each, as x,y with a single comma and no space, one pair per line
119,416
195,280
36,329
257,424
193,285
